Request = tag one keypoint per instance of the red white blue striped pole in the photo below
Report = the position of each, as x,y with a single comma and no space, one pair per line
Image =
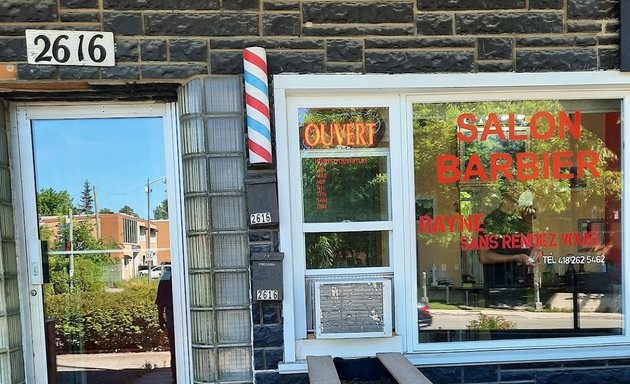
257,101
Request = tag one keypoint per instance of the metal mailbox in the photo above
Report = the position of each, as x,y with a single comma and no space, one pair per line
267,276
262,202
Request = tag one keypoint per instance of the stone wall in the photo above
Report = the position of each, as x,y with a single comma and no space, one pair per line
578,372
176,39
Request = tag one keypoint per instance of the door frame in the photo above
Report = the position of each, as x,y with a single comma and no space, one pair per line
25,210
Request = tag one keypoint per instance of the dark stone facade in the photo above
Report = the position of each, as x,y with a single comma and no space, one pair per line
612,371
402,36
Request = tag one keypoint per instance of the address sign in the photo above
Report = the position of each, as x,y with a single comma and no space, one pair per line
84,48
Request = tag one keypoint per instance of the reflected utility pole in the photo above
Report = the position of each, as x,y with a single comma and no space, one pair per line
96,214
149,253
70,235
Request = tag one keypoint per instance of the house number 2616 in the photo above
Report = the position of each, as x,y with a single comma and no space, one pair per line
260,218
84,48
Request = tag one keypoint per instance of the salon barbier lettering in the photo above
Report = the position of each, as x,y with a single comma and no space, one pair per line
474,224
522,165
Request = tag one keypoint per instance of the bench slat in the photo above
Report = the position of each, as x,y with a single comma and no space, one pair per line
321,370
401,369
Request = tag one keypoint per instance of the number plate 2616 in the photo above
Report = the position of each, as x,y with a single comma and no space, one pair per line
84,48
267,294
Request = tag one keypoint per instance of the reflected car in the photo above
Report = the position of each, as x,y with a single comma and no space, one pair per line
143,270
424,315
156,271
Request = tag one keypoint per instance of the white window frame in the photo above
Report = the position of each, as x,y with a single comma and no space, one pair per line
21,115
293,91
295,329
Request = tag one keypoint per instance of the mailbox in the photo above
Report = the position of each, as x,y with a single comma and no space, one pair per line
262,202
267,276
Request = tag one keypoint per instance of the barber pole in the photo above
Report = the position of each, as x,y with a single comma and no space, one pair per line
257,100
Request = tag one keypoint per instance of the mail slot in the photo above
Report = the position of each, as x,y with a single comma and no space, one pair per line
267,276
262,202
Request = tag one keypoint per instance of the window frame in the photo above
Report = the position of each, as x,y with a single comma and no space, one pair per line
500,347
341,90
296,333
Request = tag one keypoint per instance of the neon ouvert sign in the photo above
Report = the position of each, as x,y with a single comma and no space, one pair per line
350,134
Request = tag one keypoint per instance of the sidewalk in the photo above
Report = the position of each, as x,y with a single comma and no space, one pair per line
120,368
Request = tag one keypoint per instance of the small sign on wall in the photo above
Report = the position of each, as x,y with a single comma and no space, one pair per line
83,48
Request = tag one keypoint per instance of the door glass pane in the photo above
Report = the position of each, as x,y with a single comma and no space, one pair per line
103,213
518,215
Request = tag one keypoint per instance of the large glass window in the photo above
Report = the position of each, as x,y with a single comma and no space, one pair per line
518,212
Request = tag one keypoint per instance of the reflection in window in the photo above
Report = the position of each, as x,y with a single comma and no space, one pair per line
524,234
346,250
345,189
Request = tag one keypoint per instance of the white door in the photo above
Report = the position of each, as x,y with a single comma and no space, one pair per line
98,183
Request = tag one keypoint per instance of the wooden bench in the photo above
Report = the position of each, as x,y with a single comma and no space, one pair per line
401,369
321,370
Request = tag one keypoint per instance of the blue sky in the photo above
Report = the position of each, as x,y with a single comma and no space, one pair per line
115,155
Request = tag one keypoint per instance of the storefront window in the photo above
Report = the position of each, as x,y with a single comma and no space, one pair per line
345,186
518,219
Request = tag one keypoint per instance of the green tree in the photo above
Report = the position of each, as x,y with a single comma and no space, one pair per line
128,210
86,206
161,211
83,239
105,210
53,203
88,274
88,267
45,233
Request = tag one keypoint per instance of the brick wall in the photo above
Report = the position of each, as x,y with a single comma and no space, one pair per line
176,39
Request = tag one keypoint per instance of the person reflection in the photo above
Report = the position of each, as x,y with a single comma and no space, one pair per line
164,301
513,216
